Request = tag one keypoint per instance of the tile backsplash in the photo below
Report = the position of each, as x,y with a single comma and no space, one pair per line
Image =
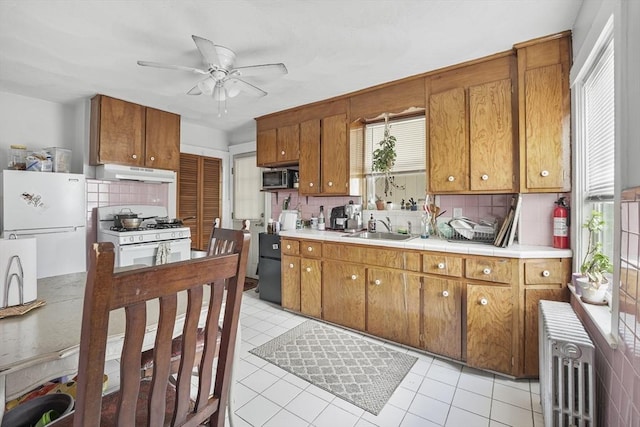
536,223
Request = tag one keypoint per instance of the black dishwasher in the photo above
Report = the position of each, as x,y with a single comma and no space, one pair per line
269,268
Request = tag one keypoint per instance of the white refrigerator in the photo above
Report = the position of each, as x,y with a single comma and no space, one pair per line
52,208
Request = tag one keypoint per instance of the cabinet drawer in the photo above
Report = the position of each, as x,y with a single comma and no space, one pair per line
311,249
441,264
375,256
545,271
290,247
489,269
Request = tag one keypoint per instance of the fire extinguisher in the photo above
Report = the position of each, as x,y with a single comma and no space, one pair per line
561,222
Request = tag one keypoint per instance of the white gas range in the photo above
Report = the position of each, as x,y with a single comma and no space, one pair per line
151,244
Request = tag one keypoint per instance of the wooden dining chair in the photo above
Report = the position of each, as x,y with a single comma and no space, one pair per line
221,242
155,401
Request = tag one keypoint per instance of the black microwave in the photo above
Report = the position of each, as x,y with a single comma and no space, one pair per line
278,178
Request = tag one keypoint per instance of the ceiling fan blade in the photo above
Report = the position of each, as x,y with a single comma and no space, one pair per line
195,91
171,67
207,50
260,70
235,84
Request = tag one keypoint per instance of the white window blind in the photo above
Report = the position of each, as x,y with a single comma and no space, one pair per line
598,93
410,144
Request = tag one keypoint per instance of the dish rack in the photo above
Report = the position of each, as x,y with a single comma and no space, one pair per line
464,230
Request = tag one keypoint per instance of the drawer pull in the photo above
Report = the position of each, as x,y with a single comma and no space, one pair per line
544,173
487,271
445,293
441,265
152,158
354,277
134,156
483,301
451,178
377,282
311,184
282,152
330,183
484,177
288,246
310,248
290,265
308,269
546,273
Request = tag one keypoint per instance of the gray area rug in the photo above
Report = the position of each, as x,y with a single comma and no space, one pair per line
354,369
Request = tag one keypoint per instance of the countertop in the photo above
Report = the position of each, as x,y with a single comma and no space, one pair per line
435,244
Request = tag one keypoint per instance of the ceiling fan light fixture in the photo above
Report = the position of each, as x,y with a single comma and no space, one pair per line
207,86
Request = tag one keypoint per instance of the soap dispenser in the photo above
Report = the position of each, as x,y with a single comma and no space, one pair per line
371,228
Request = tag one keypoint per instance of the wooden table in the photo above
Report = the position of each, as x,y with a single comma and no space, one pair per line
43,344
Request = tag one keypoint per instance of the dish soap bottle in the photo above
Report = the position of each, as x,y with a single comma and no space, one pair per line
371,226
321,226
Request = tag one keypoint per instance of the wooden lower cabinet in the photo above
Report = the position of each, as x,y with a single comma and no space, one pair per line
311,287
290,282
490,327
393,305
442,316
343,294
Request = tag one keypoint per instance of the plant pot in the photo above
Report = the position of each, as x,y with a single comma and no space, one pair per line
380,204
590,294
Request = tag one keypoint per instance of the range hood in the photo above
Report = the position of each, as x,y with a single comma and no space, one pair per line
112,172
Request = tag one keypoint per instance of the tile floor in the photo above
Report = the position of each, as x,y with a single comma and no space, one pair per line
435,392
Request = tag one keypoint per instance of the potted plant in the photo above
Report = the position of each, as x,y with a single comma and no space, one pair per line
379,203
595,264
384,158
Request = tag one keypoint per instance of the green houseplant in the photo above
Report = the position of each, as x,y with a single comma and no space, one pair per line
595,264
384,158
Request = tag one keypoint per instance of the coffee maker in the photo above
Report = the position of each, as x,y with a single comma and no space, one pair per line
338,220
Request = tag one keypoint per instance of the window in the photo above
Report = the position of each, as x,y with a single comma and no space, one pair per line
410,166
595,130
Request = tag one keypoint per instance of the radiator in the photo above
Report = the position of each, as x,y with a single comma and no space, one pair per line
567,377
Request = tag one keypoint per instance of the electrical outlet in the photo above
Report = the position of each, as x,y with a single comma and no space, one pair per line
457,212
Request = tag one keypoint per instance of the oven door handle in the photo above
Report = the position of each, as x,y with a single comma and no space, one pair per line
149,244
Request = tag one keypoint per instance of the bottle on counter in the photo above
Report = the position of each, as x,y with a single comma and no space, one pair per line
299,219
371,227
321,225
425,225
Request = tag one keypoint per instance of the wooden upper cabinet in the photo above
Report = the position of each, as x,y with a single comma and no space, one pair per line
266,147
448,142
310,160
162,139
545,114
491,137
470,128
117,132
335,155
288,144
130,134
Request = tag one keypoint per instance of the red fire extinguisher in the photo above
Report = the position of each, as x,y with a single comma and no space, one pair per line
561,223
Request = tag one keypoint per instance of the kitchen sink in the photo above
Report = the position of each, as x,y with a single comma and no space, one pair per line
380,236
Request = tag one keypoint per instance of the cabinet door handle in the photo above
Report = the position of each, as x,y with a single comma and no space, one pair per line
308,269
544,173
484,301
487,271
282,152
134,156
377,282
451,178
311,184
441,265
290,265
310,248
288,246
330,184
484,177
354,277
445,293
546,273
152,158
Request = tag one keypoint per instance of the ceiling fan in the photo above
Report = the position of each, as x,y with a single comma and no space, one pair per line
222,80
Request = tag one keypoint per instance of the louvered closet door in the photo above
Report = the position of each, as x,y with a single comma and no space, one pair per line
188,194
210,197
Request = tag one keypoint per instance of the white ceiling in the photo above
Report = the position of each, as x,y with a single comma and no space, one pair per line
66,50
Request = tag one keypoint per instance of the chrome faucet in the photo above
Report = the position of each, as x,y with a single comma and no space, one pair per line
386,224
